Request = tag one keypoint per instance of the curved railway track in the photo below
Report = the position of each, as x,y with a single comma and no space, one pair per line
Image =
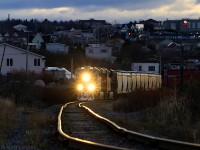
85,129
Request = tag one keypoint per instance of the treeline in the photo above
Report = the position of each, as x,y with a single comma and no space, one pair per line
45,26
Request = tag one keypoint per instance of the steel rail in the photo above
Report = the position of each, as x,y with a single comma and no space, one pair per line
80,143
156,142
161,143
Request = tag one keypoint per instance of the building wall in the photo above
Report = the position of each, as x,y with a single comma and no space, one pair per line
38,40
57,47
145,67
193,25
98,51
18,59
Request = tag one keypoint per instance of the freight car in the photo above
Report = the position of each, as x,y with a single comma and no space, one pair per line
100,83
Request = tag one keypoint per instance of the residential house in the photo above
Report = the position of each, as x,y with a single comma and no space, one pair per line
20,27
17,59
146,67
172,35
76,36
57,48
39,40
99,51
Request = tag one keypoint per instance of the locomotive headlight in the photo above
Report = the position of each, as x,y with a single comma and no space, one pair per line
86,77
91,87
79,87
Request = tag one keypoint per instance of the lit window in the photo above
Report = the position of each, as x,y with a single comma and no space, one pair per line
36,62
9,62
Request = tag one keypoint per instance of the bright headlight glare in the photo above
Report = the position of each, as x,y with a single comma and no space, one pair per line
86,77
91,87
79,87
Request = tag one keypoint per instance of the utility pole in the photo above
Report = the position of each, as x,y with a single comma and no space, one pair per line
181,68
2,58
72,66
160,64
27,51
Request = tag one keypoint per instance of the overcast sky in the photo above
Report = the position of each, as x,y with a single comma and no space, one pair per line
120,11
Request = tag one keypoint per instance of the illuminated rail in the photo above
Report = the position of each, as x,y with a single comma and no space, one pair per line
151,141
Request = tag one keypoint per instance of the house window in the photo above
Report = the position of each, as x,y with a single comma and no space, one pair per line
90,50
140,68
103,50
9,62
152,68
36,62
198,25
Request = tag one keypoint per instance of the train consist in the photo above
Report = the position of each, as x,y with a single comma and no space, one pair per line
100,83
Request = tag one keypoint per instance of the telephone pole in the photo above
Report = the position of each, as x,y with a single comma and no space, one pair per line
181,68
2,58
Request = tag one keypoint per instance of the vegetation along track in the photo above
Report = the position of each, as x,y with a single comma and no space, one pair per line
81,126
84,129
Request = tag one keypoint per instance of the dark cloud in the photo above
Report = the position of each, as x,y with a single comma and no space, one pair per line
118,4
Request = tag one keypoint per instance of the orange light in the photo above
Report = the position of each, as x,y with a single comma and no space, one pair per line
79,87
91,87
86,77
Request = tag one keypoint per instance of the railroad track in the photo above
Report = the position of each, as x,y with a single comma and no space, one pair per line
85,129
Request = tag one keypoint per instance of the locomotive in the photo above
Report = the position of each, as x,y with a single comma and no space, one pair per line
100,83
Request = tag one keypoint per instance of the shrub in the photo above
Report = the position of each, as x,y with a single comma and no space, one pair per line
192,101
137,100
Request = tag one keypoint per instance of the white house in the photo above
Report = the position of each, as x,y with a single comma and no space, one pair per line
20,27
57,48
59,73
37,41
17,59
99,51
146,67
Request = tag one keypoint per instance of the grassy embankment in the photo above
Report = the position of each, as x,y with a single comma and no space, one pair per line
169,114
21,99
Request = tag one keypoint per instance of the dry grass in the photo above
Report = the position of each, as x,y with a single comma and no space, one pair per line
39,119
7,118
37,138
169,114
26,110
38,133
176,119
137,100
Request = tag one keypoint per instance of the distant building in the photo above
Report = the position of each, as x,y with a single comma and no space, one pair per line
92,22
38,40
146,67
99,51
182,25
57,48
20,27
171,76
16,59
58,73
